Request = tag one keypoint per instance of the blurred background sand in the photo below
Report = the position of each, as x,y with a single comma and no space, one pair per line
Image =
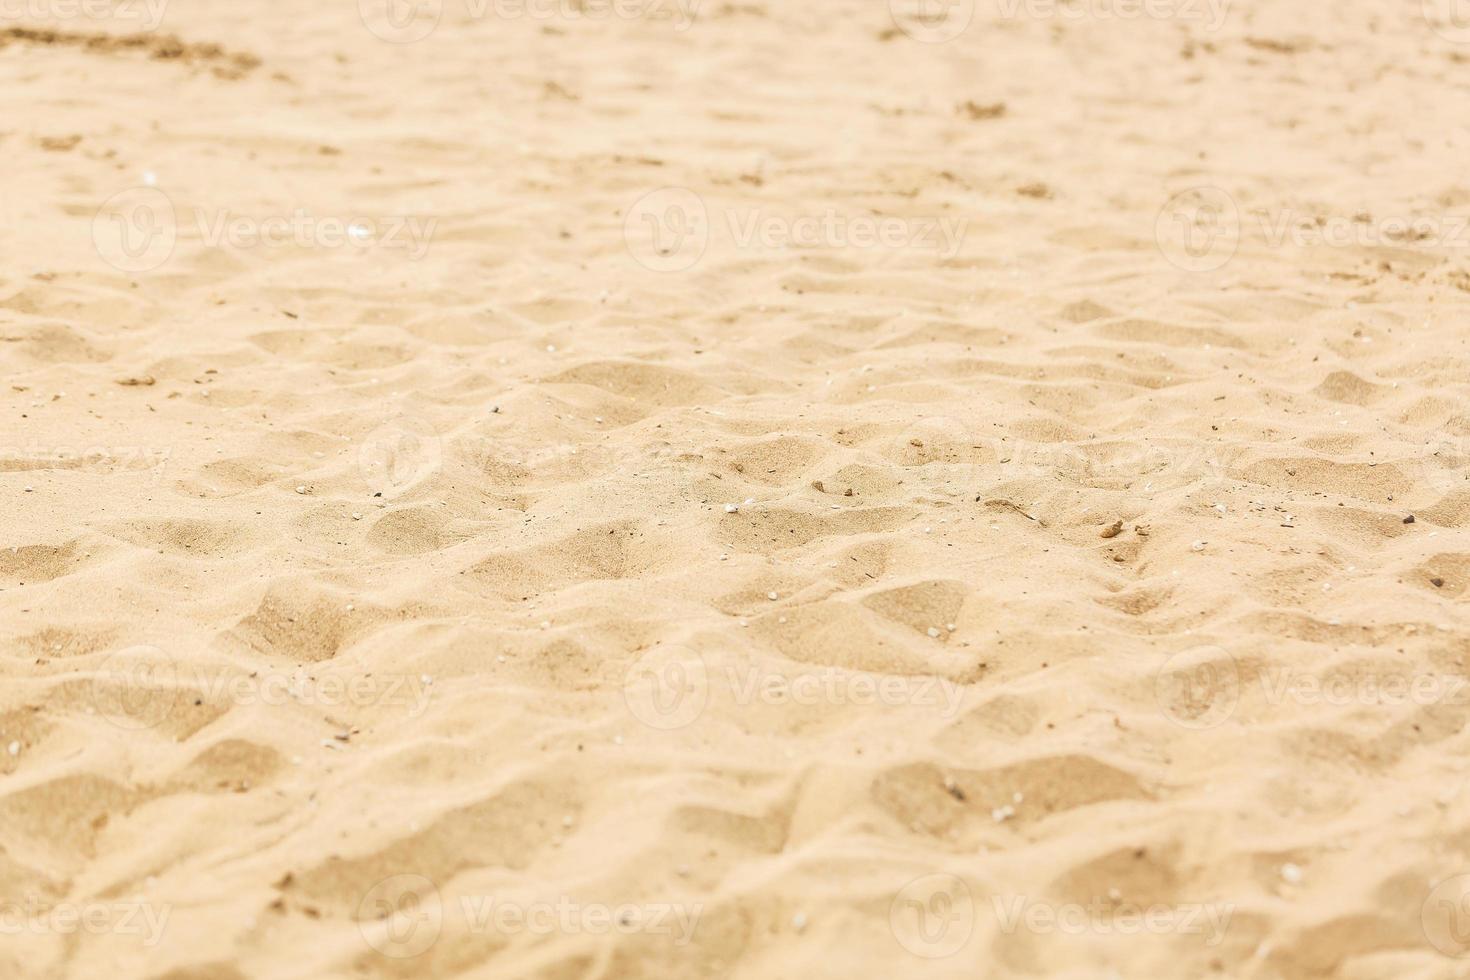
747,490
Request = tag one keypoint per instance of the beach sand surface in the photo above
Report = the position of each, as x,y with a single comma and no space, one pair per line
763,491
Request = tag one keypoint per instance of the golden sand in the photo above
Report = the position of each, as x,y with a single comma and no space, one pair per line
755,491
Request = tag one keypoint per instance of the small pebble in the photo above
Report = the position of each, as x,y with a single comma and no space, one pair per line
933,632
732,508
771,596
1292,874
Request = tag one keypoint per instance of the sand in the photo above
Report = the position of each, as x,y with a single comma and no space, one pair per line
769,491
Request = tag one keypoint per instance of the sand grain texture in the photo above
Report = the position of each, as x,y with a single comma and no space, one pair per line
347,587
